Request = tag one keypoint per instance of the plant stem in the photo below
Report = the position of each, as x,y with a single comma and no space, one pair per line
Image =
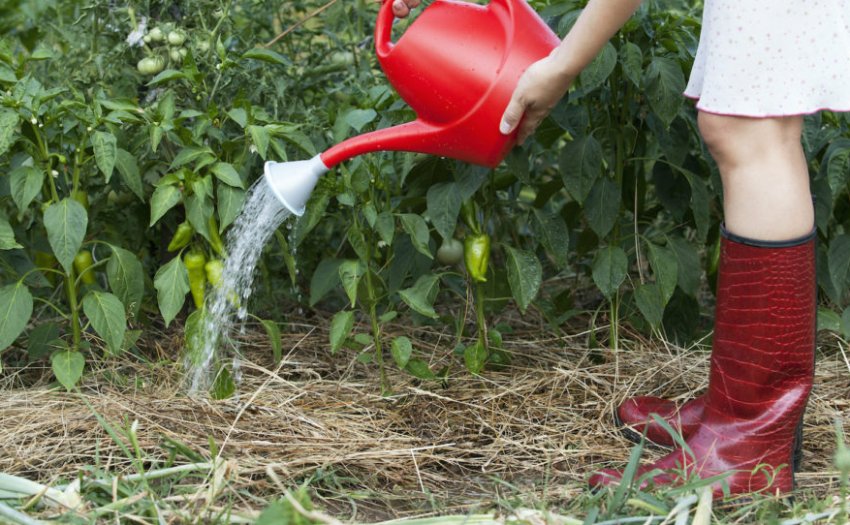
42,148
614,332
373,316
480,319
72,302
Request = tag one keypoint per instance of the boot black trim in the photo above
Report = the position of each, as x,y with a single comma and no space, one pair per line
767,244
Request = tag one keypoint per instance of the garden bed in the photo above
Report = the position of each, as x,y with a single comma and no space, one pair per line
529,435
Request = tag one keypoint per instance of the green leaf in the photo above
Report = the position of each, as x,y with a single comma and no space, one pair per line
603,206
43,339
66,222
552,232
105,152
401,350
631,60
417,228
845,323
194,336
273,332
8,129
827,320
223,386
260,136
700,205
239,115
156,133
385,226
324,279
689,265
172,284
419,369
475,357
198,212
599,69
68,367
341,326
191,155
839,261
25,184
665,266
128,168
650,301
229,202
524,275
610,266
358,118
15,312
227,174
163,199
444,201
126,279
838,170
265,55
350,273
106,314
7,236
581,165
166,76
420,297
664,83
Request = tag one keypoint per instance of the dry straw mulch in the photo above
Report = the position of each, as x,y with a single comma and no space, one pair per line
542,426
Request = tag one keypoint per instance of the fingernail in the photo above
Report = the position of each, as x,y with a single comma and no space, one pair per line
505,128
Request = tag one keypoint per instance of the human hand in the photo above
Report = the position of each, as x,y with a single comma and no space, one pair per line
542,85
401,8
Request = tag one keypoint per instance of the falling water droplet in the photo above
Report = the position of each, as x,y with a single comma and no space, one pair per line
261,215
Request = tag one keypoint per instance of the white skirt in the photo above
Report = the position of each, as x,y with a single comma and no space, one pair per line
763,58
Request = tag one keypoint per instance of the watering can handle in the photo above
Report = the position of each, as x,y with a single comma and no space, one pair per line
384,29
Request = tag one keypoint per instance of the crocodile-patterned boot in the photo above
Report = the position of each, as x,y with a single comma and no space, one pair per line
762,369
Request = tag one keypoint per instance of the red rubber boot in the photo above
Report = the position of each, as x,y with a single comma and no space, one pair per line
762,369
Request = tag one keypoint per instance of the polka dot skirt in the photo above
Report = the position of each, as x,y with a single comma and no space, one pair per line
764,58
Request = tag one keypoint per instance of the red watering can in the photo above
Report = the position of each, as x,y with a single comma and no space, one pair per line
457,66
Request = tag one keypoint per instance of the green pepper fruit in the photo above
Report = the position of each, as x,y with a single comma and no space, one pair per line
194,262
181,237
82,197
214,268
476,255
82,265
215,239
450,252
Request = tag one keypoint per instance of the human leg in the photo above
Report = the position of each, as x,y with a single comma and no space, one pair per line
765,197
762,360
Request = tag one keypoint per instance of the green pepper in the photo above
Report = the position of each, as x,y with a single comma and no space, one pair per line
82,197
214,269
82,265
215,239
194,262
476,255
181,237
45,260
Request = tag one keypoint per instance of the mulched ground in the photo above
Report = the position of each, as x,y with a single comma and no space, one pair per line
534,431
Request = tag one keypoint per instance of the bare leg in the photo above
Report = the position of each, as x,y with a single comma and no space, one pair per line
766,193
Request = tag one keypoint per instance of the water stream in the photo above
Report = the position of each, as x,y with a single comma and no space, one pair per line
225,308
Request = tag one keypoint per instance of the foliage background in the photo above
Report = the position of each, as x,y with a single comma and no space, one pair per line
613,209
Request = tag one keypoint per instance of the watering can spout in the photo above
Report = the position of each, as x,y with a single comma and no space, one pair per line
416,136
293,182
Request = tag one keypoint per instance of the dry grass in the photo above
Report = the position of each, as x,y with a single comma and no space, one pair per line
542,426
